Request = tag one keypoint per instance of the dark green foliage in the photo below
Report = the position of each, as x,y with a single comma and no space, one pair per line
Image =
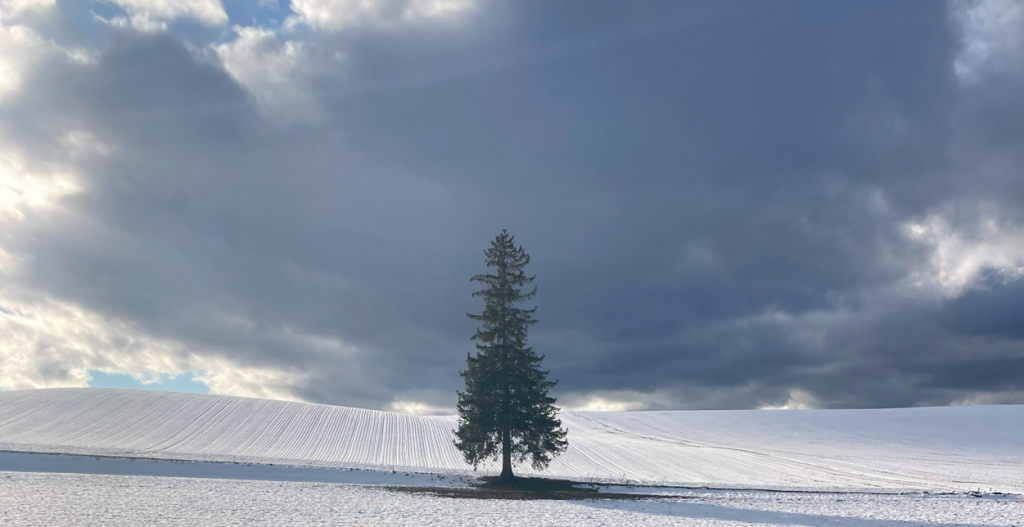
506,409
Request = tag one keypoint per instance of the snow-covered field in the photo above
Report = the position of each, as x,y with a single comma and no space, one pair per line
933,449
103,457
37,500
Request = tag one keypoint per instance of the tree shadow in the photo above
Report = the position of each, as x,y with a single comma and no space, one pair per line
707,511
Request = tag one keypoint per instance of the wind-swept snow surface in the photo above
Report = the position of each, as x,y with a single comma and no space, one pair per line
949,448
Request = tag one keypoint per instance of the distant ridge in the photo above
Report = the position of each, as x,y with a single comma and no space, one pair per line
936,449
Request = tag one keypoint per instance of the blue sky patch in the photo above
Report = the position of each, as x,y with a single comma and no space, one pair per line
184,382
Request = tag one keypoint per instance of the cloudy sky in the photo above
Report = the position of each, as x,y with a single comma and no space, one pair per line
728,204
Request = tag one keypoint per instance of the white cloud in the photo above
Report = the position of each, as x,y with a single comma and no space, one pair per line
46,343
24,188
960,256
27,187
993,36
608,401
228,378
275,72
20,46
798,400
140,22
278,72
600,404
419,408
15,8
338,14
147,13
51,344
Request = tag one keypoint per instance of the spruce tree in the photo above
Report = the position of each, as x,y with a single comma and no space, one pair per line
505,408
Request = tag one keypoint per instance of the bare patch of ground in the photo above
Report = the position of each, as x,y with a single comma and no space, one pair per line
527,489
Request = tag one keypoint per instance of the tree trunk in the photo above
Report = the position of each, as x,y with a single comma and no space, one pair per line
506,477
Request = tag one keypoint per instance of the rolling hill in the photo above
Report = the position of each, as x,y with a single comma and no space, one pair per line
933,449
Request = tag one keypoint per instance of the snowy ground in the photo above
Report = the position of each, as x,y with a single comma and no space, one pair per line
35,499
926,449
112,457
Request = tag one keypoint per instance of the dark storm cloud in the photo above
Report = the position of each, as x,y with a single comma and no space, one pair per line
714,198
993,309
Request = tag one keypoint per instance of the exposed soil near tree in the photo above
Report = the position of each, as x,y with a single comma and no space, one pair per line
527,489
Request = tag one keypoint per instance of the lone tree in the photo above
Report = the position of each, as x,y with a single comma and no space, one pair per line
506,408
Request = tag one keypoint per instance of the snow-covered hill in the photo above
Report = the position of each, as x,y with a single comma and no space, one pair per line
948,448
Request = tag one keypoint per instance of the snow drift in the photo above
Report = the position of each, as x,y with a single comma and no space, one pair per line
937,449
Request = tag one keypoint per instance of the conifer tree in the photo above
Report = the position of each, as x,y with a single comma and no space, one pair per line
505,408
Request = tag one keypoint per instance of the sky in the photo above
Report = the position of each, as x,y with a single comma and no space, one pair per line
730,204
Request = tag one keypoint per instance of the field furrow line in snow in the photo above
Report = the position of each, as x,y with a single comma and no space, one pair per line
960,448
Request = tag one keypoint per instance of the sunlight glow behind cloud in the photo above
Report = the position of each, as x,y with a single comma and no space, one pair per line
959,257
23,189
